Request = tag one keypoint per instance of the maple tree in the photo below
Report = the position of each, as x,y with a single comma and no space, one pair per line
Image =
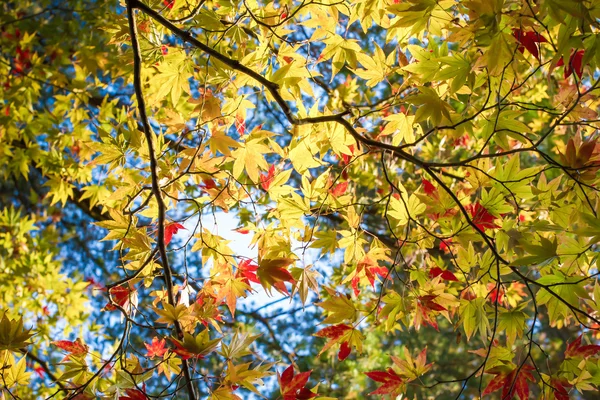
411,188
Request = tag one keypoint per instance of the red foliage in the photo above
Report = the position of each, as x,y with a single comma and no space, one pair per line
339,189
293,386
344,351
133,394
207,184
156,348
335,332
122,296
575,64
513,383
559,387
529,41
247,270
444,273
575,349
392,382
266,179
481,217
428,187
76,348
170,230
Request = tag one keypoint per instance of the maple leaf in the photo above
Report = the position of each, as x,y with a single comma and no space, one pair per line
339,189
76,348
292,386
206,309
443,273
334,333
411,368
344,352
12,334
427,310
392,382
339,307
529,41
124,297
512,382
481,217
445,245
266,179
170,230
133,394
575,64
195,346
368,268
495,295
559,387
207,184
156,348
230,288
272,273
247,271
575,349
428,188
169,3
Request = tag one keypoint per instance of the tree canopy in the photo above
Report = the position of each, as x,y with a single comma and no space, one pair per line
233,199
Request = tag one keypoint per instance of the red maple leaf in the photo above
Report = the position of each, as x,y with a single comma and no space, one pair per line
22,61
124,297
247,270
207,184
170,230
529,41
76,348
444,273
392,382
559,387
428,302
445,245
575,349
427,310
339,189
428,187
512,382
156,348
370,268
293,386
169,3
133,394
266,179
496,296
481,217
344,351
334,333
575,64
